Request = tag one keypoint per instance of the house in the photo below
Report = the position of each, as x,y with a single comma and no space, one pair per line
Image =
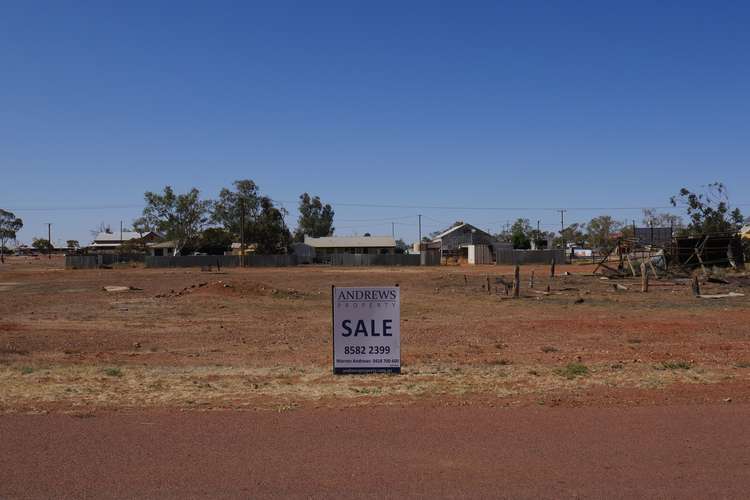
352,244
745,232
106,242
466,242
161,248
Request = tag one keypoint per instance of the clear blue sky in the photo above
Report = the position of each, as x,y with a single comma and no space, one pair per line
426,104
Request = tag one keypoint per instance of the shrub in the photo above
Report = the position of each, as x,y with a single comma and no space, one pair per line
675,365
113,372
573,370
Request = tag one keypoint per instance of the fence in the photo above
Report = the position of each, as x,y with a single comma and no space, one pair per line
222,261
344,259
510,256
96,261
429,258
100,260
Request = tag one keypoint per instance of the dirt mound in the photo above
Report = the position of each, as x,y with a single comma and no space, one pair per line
242,289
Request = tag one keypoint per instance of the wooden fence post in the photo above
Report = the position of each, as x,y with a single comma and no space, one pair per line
644,278
531,279
630,264
552,268
696,286
517,281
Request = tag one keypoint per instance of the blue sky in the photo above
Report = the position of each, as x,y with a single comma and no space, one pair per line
523,107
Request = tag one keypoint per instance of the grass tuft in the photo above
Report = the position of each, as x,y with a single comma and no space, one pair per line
573,370
675,365
113,372
27,370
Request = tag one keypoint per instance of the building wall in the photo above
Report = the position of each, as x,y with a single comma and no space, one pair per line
463,236
479,254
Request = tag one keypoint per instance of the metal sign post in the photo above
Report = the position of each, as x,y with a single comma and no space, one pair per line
366,329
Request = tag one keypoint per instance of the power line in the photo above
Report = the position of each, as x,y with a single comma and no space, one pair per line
554,209
376,205
75,208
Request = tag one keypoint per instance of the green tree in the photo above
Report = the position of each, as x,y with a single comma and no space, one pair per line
142,226
42,244
215,241
709,211
269,230
9,226
599,231
315,218
227,211
73,244
571,234
540,238
520,233
180,216
401,246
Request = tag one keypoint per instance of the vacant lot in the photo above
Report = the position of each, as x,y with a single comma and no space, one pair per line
260,339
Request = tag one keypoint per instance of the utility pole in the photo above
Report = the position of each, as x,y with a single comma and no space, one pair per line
562,227
242,232
49,240
393,230
120,240
537,226
420,233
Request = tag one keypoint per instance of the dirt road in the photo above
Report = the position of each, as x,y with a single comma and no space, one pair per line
664,452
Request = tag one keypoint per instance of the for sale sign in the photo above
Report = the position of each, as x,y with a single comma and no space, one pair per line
366,329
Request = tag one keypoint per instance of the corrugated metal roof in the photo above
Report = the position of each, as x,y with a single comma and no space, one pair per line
439,236
115,236
350,241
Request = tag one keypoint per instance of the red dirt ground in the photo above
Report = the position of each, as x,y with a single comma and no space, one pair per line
485,407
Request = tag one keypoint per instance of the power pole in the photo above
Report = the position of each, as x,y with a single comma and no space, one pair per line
393,230
120,240
242,232
537,226
49,240
562,227
420,232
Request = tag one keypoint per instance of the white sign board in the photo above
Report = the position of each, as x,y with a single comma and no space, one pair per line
366,329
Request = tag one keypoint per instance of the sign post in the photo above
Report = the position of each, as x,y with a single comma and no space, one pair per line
366,329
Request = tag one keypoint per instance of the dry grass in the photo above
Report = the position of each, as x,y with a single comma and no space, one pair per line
75,387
